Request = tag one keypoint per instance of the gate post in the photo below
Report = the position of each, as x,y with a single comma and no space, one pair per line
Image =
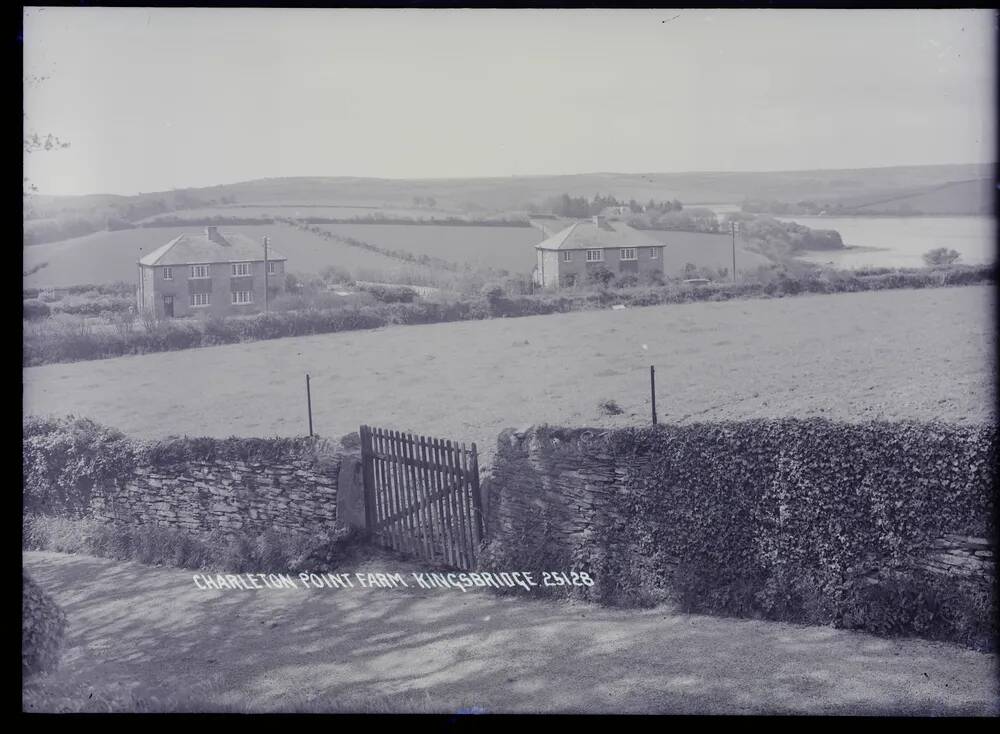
368,478
351,491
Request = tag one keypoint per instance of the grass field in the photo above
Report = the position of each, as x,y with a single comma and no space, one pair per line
507,248
513,248
917,354
106,257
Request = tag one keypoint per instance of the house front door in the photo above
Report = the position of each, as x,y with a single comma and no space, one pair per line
168,306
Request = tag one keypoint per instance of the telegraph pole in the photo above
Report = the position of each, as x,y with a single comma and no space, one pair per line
265,273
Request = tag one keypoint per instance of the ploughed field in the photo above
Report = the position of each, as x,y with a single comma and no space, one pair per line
899,354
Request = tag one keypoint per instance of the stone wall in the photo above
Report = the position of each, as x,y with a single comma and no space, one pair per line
228,496
566,484
960,555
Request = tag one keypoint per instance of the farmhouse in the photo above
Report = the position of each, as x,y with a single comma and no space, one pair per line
571,254
212,274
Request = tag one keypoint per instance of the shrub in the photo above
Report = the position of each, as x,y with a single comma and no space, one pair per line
34,309
65,459
609,407
941,256
42,626
334,274
600,276
391,294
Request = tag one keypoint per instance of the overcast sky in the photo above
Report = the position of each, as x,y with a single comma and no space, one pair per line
154,99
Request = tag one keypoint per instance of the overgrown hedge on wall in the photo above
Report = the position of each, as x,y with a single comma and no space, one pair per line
65,458
801,520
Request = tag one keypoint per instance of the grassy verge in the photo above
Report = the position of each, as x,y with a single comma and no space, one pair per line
268,552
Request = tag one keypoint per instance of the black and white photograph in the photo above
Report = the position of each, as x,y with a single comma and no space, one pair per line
483,361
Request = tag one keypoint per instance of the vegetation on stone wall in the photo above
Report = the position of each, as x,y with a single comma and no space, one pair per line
801,520
64,459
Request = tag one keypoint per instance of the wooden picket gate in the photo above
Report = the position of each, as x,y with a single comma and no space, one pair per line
422,496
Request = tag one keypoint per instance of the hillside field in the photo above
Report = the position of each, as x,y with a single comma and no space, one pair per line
506,248
917,354
106,257
298,211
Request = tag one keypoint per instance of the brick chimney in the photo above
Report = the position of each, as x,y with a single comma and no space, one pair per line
213,234
599,221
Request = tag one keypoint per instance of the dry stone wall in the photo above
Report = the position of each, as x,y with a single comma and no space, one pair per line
226,496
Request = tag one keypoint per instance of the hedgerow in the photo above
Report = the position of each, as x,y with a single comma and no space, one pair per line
66,344
800,520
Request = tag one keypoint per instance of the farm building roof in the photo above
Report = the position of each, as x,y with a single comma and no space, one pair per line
201,248
586,235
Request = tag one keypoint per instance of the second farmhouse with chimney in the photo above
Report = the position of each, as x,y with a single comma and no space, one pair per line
570,255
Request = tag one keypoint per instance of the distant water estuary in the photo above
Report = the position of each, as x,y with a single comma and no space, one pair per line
897,242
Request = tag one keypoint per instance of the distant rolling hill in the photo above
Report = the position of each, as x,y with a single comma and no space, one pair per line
516,192
958,197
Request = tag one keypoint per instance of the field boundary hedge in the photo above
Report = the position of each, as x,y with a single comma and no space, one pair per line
885,527
75,344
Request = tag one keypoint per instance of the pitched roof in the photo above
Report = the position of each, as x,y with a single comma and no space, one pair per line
198,248
585,235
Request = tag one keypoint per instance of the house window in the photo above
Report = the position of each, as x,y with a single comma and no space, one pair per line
567,256
272,267
595,256
201,299
652,253
627,253
200,271
168,273
242,269
242,297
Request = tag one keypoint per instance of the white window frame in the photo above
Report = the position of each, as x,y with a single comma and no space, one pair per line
272,267
195,297
239,301
567,256
653,253
239,268
195,269
168,273
627,253
595,256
